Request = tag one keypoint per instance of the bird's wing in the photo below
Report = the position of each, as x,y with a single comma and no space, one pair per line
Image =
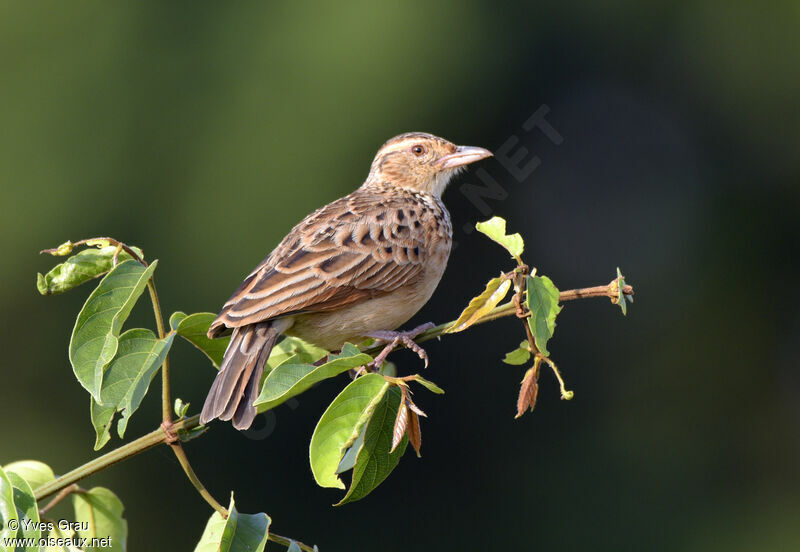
361,246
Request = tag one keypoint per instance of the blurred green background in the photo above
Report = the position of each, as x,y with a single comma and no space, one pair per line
203,131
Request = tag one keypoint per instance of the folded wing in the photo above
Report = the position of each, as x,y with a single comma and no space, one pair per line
350,250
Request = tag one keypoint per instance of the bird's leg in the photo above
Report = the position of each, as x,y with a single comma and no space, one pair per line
393,339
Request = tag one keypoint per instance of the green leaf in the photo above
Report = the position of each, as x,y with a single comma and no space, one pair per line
34,472
176,318
340,425
543,305
102,511
388,368
290,379
304,352
186,435
138,360
17,504
495,228
374,461
8,510
80,268
126,380
429,385
496,290
349,459
96,334
237,533
101,417
194,327
252,532
27,510
219,532
518,356
181,408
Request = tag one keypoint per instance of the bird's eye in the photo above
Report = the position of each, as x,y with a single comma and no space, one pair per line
418,149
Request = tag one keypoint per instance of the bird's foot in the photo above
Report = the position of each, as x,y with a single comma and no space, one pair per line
394,339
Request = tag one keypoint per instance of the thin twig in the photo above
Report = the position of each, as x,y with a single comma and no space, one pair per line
288,542
166,401
509,309
596,291
566,394
65,492
187,468
171,437
143,443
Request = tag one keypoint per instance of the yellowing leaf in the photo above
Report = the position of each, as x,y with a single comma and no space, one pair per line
62,250
495,228
496,290
79,268
619,286
99,243
429,385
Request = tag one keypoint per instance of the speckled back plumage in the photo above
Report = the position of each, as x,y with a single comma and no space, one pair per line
361,246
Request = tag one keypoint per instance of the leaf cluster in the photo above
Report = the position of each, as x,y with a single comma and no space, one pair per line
537,302
359,439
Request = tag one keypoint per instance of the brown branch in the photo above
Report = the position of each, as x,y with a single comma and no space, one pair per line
65,492
596,291
510,309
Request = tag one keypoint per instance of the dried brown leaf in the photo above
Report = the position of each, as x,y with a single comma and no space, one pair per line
400,424
415,408
528,392
414,433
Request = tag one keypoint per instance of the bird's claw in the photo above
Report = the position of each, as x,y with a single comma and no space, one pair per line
393,339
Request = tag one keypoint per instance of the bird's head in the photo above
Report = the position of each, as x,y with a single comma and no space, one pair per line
422,162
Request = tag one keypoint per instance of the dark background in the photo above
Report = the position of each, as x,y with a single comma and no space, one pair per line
203,132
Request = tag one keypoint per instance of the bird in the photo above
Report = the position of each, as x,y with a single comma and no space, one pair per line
359,267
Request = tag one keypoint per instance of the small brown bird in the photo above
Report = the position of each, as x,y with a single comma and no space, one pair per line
356,268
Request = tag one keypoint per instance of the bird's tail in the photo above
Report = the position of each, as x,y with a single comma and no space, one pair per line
237,383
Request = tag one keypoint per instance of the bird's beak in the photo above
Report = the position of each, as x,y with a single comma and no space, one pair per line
464,155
